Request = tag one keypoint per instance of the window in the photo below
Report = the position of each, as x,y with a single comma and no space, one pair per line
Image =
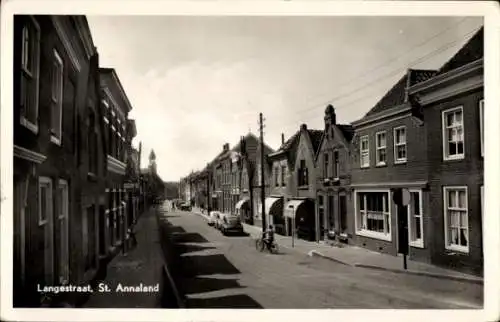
276,176
56,99
326,167
400,145
456,218
336,165
30,60
283,175
63,210
453,134
373,214
365,152
482,209
481,124
321,209
381,148
415,219
303,175
46,221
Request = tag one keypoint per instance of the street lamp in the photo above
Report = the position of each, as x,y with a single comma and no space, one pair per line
293,225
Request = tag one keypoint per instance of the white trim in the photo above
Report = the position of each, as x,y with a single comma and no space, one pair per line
419,243
58,25
462,249
58,103
444,134
47,182
448,76
379,148
105,103
396,160
473,83
481,124
115,165
361,139
27,124
113,101
106,120
482,211
368,233
29,155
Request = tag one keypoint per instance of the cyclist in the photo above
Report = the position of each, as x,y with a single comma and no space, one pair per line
268,237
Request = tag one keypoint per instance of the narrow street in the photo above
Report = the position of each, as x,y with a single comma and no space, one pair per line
227,272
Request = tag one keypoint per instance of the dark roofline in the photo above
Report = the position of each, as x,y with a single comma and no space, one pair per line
114,74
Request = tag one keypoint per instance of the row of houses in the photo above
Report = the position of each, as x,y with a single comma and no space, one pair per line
425,136
77,180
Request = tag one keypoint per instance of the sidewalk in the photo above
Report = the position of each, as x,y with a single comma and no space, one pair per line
361,257
141,265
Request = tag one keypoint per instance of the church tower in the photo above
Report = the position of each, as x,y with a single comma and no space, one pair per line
152,161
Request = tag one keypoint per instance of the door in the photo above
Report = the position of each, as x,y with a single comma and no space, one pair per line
20,199
46,222
331,213
63,210
343,213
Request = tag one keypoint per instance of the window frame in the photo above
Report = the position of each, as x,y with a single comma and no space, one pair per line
448,245
283,175
379,148
481,124
47,183
34,75
444,134
56,103
419,243
398,144
362,152
336,164
358,219
326,163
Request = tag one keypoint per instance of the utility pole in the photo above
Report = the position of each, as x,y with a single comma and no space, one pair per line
208,190
262,181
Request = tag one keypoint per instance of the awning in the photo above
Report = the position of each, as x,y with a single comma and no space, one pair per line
292,206
270,202
240,203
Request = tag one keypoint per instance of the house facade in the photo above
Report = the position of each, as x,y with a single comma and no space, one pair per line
283,181
300,210
452,107
390,153
115,107
333,195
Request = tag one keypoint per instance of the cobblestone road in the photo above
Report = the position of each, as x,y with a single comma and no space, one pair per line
227,271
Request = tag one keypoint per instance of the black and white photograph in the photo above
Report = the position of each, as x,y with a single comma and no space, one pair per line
184,160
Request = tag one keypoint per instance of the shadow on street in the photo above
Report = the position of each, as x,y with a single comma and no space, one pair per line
190,270
231,301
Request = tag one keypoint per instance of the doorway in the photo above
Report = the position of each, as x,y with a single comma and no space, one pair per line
343,213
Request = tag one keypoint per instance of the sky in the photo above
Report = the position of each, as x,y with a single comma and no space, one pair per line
197,82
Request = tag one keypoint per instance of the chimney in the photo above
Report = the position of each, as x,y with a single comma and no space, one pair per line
303,127
282,138
225,147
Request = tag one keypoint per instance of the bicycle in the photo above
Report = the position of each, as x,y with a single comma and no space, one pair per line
260,246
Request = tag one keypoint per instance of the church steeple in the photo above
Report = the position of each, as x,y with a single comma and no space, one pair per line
152,161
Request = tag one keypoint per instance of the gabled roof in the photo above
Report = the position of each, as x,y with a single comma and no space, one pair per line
347,130
471,51
397,94
315,136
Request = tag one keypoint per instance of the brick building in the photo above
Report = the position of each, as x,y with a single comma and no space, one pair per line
452,106
390,151
333,195
56,128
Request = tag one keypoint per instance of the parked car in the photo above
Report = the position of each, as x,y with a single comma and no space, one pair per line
185,206
230,223
213,218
